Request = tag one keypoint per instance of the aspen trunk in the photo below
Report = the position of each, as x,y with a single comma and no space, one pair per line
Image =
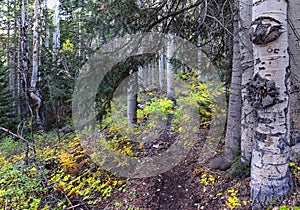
23,60
33,92
161,71
170,72
271,179
132,100
56,33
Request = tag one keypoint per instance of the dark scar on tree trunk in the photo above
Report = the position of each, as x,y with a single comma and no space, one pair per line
262,93
265,30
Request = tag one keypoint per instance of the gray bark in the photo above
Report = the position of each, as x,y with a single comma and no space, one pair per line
161,71
132,99
294,48
23,60
33,92
170,72
271,179
56,33
233,131
247,120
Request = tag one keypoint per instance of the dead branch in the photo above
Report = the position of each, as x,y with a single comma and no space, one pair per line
13,134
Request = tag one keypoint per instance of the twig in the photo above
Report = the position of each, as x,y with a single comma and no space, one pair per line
14,135
72,207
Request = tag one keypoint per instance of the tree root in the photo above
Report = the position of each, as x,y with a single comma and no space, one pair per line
220,162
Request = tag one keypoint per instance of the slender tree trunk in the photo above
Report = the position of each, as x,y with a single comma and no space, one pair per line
8,54
33,92
47,30
18,69
170,72
24,56
233,131
56,33
132,100
247,121
271,179
15,60
161,71
294,48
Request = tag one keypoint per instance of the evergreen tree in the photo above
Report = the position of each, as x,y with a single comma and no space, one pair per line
7,111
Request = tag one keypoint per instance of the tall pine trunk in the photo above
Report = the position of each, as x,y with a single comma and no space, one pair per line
271,179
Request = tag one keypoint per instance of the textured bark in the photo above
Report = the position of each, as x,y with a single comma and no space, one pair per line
23,64
170,72
35,53
294,48
24,48
270,174
233,131
161,71
19,61
247,120
132,100
33,92
56,33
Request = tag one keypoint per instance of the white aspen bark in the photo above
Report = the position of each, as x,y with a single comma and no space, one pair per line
24,56
161,71
247,120
170,72
46,25
8,55
35,53
56,33
132,100
33,92
294,48
271,179
140,77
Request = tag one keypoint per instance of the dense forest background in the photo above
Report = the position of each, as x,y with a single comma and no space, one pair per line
232,116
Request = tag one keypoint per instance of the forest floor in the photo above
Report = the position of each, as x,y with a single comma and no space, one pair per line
190,186
64,177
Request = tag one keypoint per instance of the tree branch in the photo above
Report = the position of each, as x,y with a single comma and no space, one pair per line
13,134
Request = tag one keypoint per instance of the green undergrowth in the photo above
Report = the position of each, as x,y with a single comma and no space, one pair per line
58,176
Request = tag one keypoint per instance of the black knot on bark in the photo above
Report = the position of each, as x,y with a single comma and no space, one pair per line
265,30
262,93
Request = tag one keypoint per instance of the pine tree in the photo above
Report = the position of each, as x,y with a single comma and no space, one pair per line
7,111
